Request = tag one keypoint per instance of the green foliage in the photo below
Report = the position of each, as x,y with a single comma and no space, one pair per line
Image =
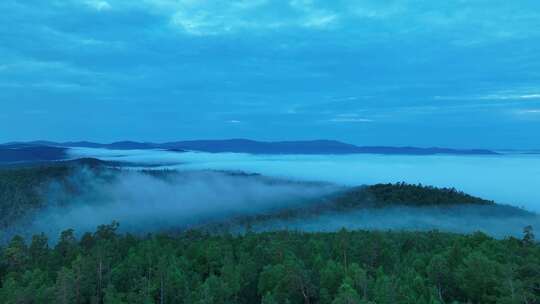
347,295
20,190
381,195
27,189
279,267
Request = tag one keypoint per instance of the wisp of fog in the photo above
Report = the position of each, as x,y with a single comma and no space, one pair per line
456,219
146,202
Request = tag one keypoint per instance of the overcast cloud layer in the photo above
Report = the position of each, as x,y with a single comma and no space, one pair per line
452,73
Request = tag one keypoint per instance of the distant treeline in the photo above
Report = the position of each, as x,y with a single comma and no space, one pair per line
345,267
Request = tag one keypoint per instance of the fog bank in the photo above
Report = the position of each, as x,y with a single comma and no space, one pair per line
154,201
144,202
509,179
458,219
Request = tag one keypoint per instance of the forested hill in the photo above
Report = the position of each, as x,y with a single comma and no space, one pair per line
358,267
381,195
24,190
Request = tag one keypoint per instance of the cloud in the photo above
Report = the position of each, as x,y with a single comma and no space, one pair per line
530,96
320,21
529,111
217,18
209,18
99,5
511,97
516,94
253,58
349,118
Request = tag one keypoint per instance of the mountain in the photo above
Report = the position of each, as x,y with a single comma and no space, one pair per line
14,153
260,147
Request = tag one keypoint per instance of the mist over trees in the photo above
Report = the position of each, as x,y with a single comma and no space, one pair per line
85,193
211,265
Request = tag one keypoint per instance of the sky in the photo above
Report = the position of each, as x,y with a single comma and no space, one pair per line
463,74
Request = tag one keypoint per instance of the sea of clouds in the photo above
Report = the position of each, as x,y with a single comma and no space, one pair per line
204,188
512,179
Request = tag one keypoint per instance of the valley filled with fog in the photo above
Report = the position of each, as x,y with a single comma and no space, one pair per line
512,179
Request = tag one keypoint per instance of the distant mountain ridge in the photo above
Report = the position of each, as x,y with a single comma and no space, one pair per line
260,147
26,153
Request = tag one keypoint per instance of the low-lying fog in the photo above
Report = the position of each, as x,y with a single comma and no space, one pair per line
143,202
512,179
458,219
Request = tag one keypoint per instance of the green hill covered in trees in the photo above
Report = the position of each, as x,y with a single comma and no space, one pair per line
24,190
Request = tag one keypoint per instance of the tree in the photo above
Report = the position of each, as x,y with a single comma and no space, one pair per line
269,299
112,296
66,248
31,287
528,236
65,286
332,276
299,278
39,250
359,279
439,274
346,294
212,291
385,288
478,278
16,254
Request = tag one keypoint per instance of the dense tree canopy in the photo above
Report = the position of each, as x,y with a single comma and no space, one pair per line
25,189
278,267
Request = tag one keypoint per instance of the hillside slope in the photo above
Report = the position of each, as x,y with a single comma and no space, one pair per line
27,190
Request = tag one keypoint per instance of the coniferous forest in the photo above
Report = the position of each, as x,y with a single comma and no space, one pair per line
274,267
220,265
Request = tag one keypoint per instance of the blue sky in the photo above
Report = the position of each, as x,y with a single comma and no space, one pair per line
424,73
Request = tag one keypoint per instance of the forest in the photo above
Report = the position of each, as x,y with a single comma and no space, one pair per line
215,264
343,267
